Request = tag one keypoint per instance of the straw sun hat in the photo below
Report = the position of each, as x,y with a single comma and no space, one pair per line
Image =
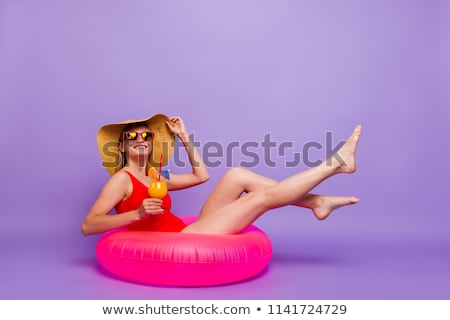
108,142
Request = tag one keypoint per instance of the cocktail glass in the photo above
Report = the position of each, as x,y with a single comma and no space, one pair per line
157,189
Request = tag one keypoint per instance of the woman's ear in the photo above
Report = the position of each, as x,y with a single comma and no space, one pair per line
121,148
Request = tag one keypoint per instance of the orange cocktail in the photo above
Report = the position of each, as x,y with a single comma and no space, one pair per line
157,189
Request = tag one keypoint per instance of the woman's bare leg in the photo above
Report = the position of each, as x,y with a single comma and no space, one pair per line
238,181
236,215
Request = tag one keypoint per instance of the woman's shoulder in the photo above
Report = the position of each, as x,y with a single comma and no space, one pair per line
120,177
118,183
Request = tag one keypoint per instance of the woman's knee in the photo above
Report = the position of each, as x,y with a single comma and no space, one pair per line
261,200
237,173
269,199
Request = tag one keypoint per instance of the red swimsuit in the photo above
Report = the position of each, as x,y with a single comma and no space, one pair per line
165,222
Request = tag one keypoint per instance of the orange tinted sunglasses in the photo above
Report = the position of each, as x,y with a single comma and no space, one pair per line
133,135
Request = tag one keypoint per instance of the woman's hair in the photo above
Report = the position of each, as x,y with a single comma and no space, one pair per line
128,127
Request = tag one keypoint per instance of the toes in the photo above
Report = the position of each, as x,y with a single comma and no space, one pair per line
354,200
357,133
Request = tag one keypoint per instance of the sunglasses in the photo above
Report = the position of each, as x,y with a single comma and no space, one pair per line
132,135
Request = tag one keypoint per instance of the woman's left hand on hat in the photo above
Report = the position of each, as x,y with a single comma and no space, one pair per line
176,125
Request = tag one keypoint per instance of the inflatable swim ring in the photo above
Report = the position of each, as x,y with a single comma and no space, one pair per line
183,259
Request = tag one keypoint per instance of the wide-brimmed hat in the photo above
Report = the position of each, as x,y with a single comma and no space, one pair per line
108,142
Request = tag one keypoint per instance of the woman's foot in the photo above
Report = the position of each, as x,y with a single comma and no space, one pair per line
344,159
324,205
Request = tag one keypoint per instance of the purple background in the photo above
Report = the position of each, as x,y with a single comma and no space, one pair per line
235,71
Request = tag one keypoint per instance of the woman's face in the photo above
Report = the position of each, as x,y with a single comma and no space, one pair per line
137,142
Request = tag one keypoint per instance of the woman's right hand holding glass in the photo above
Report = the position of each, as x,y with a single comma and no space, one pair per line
150,206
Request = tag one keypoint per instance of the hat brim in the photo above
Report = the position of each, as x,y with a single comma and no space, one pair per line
108,142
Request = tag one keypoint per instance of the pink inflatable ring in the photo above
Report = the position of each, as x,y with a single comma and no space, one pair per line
182,259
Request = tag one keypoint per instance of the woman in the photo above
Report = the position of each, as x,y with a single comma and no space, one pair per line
130,148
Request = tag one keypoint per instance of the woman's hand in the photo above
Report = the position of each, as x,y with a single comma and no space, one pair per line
199,171
176,125
150,206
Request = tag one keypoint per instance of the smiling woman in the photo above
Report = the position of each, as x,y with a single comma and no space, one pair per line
131,133
129,149
134,147
137,147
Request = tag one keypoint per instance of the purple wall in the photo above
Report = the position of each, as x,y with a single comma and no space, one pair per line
235,71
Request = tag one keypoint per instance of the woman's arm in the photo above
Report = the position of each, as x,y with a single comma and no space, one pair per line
98,218
199,172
